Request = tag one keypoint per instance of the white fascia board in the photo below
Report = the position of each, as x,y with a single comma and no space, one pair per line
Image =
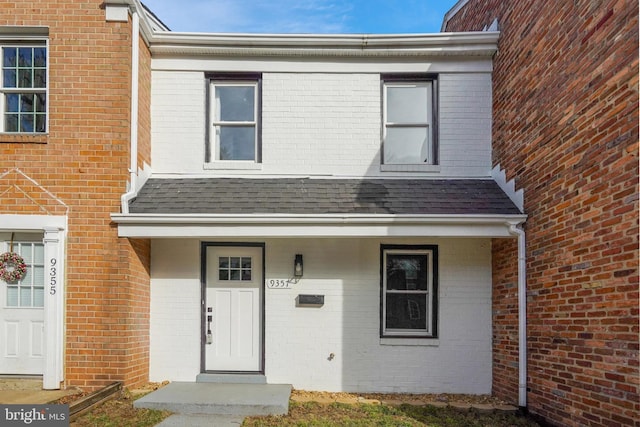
32,222
481,43
152,226
116,12
146,26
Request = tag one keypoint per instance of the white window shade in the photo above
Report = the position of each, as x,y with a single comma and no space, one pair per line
408,123
234,121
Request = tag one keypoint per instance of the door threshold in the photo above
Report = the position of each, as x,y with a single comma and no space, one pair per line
232,377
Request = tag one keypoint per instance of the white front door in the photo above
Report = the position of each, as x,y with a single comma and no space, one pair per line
233,308
22,315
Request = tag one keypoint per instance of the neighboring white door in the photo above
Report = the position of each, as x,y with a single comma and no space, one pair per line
22,315
234,303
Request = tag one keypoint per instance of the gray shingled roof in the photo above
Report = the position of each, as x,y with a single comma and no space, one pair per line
321,196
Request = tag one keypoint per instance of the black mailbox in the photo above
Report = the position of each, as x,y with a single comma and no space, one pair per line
310,300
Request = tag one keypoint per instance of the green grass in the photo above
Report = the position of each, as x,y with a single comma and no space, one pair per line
311,414
142,418
121,413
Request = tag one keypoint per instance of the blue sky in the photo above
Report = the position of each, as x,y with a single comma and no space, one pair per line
302,16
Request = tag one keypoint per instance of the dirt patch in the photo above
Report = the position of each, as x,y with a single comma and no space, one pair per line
120,411
393,398
148,388
20,384
323,397
332,408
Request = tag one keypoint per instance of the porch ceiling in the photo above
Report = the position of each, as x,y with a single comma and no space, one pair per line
290,207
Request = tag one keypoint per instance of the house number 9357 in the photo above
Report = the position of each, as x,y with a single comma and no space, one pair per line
53,276
279,283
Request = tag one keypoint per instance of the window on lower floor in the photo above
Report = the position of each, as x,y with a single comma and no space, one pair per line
23,99
28,291
408,134
409,291
234,105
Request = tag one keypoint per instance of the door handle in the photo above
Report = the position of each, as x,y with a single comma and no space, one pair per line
209,337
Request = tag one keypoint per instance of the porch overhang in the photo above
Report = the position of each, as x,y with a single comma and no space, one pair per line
315,226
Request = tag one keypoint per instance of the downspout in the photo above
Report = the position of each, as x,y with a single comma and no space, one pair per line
133,167
515,230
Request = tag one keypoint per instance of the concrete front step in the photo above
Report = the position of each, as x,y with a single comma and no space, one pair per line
232,378
219,399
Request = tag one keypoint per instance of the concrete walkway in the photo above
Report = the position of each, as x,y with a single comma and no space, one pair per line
15,391
216,404
180,420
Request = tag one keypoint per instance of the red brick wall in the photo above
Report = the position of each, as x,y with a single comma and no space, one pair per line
505,319
84,161
566,128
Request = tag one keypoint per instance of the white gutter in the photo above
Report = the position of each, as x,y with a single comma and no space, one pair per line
133,166
480,43
170,219
522,315
330,225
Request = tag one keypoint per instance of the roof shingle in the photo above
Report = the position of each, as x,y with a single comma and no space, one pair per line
322,196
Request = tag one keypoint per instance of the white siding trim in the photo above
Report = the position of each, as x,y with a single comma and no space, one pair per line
317,226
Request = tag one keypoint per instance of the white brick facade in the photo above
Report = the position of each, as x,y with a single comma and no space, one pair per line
321,124
321,116
299,340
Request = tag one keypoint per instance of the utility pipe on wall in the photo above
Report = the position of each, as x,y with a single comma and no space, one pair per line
515,230
133,166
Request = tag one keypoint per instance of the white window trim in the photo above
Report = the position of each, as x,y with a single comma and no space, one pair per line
54,243
410,168
410,342
214,162
430,332
24,41
232,165
431,163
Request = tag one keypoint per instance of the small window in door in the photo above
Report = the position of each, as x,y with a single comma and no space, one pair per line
234,268
29,291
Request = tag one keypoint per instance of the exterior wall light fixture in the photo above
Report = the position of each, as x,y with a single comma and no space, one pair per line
297,266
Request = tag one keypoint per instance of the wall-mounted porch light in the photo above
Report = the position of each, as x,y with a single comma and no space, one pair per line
297,266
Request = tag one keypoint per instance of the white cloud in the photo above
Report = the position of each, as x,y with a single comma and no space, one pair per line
301,16
253,16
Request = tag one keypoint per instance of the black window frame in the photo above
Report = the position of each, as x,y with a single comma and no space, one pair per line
434,299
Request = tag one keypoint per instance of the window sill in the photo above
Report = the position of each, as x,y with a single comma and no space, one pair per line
28,138
233,165
410,168
411,342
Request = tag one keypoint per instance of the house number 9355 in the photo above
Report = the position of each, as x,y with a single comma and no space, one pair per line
53,276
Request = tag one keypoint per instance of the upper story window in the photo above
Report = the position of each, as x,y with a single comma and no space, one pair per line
409,121
23,100
234,105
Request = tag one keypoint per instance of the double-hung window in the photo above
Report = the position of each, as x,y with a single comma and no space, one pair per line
234,133
409,125
23,99
409,287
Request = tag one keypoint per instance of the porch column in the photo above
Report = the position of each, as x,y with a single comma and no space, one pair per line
53,307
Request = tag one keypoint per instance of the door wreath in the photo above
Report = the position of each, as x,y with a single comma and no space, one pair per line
12,267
